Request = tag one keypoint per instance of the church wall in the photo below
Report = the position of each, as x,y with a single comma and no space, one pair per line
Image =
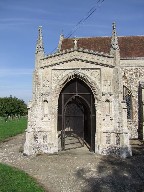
133,73
102,74
49,79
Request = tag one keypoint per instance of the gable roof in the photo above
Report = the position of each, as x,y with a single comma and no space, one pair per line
130,46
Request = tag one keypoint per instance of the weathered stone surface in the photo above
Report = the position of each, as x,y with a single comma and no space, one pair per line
105,75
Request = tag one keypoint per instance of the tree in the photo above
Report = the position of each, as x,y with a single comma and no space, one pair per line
12,107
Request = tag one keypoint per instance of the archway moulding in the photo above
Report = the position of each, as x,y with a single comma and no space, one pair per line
82,76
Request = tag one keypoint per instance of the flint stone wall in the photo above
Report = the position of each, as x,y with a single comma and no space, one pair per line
133,73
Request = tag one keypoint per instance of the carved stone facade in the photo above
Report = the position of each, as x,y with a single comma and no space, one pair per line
101,77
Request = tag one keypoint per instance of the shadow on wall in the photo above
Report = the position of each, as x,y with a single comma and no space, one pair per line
114,174
140,113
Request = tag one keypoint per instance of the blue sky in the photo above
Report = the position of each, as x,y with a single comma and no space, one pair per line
19,21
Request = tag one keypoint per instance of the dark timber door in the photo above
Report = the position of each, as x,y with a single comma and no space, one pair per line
76,116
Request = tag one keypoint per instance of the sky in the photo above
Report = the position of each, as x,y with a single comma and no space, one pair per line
19,21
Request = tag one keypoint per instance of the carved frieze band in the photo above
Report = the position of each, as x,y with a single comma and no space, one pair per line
58,74
77,55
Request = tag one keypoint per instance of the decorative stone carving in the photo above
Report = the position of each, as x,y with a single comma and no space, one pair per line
60,81
108,138
117,139
99,72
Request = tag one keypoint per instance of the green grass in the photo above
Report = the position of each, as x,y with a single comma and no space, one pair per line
14,180
12,127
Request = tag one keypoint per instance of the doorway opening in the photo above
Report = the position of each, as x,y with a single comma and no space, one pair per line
76,116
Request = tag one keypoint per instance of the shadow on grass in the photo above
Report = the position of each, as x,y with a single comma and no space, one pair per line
115,174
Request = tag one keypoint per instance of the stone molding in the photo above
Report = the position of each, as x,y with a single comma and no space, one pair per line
78,55
60,83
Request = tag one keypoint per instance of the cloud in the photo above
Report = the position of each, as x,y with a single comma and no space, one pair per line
6,22
17,22
24,8
15,72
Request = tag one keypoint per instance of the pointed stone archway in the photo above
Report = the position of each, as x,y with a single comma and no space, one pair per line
76,116
101,74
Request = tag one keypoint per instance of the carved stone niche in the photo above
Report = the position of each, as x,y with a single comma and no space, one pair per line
107,87
108,138
45,108
118,138
107,107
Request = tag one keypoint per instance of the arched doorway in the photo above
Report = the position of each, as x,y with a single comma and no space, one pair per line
76,116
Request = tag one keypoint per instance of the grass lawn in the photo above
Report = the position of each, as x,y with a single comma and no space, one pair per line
14,180
12,127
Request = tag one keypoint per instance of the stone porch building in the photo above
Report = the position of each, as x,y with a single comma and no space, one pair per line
89,92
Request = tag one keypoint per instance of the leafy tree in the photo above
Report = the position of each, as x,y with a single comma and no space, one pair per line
12,107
